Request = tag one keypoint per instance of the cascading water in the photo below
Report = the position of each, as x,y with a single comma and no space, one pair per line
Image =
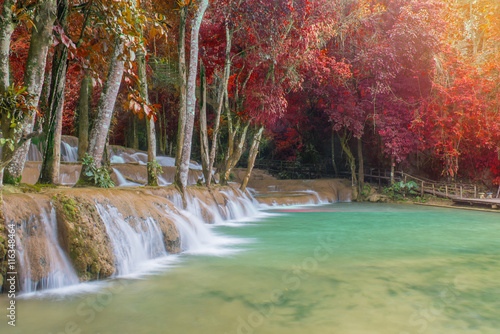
142,159
68,152
123,182
132,247
43,264
138,244
34,153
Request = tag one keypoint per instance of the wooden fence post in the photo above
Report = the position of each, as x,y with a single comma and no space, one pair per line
475,191
461,192
446,189
422,190
433,190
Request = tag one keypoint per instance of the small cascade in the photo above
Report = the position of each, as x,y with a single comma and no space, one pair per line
132,247
42,262
240,205
68,152
123,182
142,159
34,153
197,237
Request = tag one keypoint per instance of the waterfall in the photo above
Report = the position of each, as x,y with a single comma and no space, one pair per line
142,159
34,153
123,182
68,152
132,247
138,244
43,264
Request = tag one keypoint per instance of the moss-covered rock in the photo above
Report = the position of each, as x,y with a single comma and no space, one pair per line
83,236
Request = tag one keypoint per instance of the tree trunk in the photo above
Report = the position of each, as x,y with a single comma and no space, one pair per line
222,96
150,123
49,173
333,154
393,164
344,141
234,153
361,169
183,166
105,108
41,37
135,132
205,160
254,149
6,30
182,89
83,117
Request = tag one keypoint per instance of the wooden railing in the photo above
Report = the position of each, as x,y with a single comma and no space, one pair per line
382,176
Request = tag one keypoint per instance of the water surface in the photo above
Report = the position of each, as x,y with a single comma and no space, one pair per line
349,268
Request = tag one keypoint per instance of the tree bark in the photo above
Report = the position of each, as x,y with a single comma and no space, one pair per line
205,160
361,169
49,173
135,132
150,122
41,37
182,89
344,141
222,96
333,154
105,108
234,152
83,117
254,149
183,166
6,30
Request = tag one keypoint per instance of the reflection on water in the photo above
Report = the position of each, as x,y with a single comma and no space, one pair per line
349,269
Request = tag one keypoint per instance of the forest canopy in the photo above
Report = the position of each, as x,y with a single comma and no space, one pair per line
413,83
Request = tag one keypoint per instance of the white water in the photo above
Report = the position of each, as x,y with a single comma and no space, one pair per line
68,153
123,182
138,246
142,159
58,269
132,247
34,153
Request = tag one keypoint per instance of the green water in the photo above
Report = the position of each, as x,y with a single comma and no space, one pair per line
354,269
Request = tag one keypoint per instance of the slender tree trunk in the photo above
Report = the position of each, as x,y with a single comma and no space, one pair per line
344,141
150,123
6,30
333,154
161,124
361,169
183,166
393,164
254,149
235,153
105,108
41,37
205,160
222,96
49,173
182,90
83,117
135,132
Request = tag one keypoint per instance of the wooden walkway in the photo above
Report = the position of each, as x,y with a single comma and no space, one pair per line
459,193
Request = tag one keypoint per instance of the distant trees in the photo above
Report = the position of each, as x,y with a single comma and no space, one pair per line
405,78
